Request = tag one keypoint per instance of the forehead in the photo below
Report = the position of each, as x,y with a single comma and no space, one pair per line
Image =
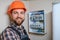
18,10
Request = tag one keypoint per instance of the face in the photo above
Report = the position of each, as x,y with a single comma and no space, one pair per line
18,16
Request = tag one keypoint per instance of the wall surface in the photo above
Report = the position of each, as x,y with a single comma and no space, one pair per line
56,1
56,21
45,5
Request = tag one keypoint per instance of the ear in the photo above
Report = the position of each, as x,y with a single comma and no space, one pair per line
10,17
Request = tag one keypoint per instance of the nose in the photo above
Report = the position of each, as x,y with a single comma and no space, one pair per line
19,15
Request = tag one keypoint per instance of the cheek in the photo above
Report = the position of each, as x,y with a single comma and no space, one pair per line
23,17
14,16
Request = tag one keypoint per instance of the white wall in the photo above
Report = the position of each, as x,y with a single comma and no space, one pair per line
56,21
3,16
55,1
45,5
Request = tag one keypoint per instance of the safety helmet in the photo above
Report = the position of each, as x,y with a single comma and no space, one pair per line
16,5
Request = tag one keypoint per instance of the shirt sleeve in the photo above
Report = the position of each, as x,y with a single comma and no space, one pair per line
8,35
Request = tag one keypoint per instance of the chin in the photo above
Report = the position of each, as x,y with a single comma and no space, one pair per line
19,22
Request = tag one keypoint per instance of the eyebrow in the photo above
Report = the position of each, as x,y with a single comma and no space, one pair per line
17,12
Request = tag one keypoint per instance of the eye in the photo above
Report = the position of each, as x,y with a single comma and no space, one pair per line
14,12
22,12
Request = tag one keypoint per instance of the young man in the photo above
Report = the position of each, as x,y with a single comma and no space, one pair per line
15,31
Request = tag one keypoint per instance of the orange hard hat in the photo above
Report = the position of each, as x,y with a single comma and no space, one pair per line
16,5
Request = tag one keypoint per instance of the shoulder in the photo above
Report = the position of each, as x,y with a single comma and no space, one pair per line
7,31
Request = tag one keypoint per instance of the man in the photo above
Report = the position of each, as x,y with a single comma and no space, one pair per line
15,31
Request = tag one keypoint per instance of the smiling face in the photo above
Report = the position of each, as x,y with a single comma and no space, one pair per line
18,16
